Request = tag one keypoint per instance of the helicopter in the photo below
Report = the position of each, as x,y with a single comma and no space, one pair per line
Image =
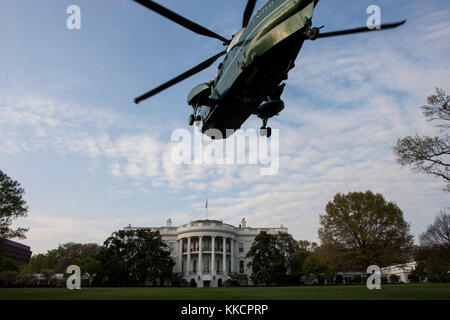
258,58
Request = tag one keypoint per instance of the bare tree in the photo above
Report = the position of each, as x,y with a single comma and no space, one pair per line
437,234
429,154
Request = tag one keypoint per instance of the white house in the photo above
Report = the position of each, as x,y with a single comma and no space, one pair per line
216,249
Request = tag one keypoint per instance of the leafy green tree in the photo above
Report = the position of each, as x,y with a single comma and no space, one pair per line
7,264
60,258
90,267
435,269
67,253
363,229
271,257
136,256
430,155
12,206
38,262
306,266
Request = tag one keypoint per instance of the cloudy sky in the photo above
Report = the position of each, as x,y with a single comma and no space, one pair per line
92,162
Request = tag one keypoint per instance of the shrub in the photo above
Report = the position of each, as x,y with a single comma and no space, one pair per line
412,277
339,279
357,279
8,279
393,278
26,279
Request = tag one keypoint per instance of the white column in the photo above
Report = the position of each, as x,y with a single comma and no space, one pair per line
232,254
213,255
200,252
188,266
224,260
180,255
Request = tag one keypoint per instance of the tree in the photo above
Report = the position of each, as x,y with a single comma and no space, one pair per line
271,257
64,255
434,251
306,265
90,267
136,256
12,206
7,264
363,229
438,234
418,274
430,155
436,270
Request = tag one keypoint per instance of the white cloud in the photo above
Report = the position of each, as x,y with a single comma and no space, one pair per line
47,231
347,103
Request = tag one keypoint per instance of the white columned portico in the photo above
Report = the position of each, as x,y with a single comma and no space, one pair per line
213,255
200,253
188,267
180,256
232,255
224,258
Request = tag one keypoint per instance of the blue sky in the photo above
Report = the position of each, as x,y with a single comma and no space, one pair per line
92,162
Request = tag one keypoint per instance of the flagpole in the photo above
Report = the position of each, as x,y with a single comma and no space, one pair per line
206,206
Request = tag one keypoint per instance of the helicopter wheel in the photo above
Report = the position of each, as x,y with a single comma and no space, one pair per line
191,119
262,131
198,119
265,132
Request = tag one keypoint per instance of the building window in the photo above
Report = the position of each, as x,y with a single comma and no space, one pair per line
241,247
241,266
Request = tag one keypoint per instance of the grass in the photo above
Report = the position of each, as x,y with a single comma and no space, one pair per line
354,292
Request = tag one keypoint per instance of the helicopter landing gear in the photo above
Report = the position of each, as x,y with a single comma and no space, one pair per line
194,119
265,131
312,32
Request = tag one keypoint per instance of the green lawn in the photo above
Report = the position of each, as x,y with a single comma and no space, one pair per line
387,292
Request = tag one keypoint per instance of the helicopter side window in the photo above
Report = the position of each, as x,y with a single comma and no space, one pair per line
219,71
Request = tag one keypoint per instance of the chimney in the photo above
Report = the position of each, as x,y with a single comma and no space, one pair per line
169,222
243,223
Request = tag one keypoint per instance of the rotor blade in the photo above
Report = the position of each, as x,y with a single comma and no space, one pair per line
248,12
175,17
359,30
205,64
